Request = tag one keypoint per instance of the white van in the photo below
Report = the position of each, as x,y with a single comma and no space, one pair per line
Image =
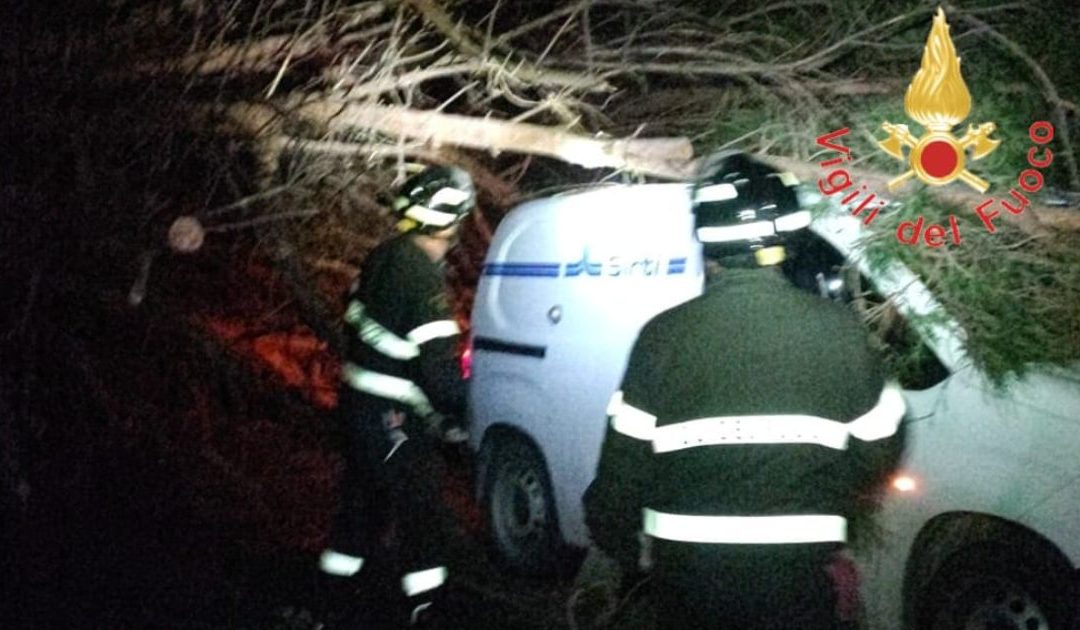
981,530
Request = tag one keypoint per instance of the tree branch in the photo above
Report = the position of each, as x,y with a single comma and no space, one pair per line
661,157
1061,122
522,70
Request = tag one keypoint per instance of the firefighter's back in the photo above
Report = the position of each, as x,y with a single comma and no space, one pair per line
755,345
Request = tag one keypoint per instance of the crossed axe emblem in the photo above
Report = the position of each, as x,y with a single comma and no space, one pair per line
938,157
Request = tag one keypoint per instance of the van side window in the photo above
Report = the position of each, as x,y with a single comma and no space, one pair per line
815,265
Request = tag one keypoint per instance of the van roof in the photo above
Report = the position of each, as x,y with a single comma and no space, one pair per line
565,190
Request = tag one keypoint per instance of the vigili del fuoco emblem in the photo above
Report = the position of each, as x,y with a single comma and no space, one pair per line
938,99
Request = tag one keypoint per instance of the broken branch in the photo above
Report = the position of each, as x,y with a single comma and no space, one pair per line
660,157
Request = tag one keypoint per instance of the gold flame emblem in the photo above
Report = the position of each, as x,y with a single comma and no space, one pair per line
938,99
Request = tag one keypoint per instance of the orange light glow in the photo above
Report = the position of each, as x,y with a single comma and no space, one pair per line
904,483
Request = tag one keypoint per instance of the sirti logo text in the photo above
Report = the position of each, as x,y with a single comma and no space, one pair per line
939,100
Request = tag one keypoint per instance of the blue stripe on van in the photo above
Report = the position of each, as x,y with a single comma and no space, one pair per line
549,270
509,347
676,266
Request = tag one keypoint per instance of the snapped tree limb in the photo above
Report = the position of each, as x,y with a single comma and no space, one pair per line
666,158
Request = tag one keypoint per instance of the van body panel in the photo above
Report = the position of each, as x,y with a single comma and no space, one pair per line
974,448
572,280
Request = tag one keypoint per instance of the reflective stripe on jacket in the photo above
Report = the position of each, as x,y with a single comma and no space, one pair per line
748,530
385,342
401,336
880,422
392,346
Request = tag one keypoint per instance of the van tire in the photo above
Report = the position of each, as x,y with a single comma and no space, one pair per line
519,508
999,586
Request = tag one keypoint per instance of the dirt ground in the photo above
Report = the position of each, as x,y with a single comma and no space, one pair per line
117,567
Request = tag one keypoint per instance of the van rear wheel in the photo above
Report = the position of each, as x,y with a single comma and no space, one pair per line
519,507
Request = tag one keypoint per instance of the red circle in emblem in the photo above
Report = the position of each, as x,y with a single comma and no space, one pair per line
938,159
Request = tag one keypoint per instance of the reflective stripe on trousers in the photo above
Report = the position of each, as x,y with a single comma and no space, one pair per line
386,386
422,581
880,422
748,530
339,564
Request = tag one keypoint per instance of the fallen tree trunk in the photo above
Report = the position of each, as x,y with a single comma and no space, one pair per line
666,158
502,192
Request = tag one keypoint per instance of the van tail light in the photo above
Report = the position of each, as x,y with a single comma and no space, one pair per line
904,483
466,361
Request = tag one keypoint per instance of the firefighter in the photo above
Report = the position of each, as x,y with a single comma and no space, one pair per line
402,390
750,423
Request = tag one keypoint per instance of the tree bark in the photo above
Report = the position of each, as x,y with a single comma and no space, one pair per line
666,158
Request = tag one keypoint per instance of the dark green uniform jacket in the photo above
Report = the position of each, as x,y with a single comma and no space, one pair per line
400,327
752,345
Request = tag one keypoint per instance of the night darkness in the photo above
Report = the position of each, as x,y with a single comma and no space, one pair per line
177,232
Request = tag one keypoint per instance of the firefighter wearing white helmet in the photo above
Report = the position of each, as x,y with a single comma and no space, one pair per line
749,422
402,390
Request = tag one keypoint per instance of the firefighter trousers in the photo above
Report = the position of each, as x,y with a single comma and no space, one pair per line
392,510
758,587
